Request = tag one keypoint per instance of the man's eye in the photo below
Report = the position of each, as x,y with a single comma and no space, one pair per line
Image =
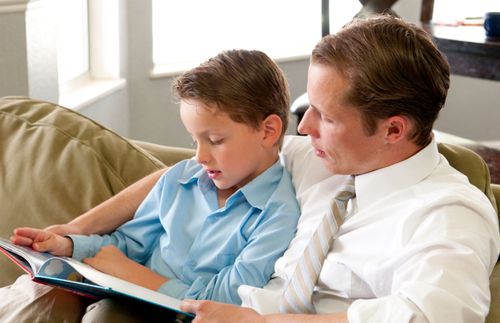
325,119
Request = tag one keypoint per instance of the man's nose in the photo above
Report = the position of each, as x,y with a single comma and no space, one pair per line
305,126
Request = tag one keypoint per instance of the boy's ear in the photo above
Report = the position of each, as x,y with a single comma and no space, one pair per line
271,127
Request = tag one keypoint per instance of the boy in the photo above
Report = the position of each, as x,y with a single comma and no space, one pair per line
219,220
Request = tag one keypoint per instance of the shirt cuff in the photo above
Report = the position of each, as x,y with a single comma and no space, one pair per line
262,300
389,309
81,247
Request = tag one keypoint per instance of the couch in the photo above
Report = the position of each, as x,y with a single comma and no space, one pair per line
55,164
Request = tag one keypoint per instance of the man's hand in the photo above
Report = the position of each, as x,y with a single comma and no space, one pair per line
64,229
43,241
208,311
112,261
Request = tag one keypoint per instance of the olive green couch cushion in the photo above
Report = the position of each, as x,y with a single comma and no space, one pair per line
55,164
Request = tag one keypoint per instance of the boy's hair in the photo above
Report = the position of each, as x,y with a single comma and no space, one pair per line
393,68
245,84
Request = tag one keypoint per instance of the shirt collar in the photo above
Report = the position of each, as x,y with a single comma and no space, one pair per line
256,192
200,177
373,186
260,189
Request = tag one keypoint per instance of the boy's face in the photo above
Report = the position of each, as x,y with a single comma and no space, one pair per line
231,153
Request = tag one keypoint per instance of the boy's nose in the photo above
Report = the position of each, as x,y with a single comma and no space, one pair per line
202,157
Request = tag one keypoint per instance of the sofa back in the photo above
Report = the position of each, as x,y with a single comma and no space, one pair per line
55,164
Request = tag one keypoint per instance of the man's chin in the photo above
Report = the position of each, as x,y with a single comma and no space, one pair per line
336,169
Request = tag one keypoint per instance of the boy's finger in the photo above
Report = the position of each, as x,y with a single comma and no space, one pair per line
20,240
44,246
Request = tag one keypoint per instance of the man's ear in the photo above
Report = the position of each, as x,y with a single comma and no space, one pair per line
271,127
396,128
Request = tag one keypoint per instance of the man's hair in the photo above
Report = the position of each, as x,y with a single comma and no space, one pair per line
245,84
393,68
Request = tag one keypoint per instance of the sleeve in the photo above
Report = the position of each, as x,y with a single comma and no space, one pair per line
264,300
445,273
136,238
253,266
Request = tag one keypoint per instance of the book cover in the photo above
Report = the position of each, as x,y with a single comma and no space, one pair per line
73,275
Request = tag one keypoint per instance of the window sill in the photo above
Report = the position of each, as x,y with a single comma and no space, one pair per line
89,92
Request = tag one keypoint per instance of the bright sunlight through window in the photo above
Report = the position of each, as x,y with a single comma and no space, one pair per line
72,39
458,12
188,32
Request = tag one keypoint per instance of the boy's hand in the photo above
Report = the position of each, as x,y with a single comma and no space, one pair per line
43,241
112,261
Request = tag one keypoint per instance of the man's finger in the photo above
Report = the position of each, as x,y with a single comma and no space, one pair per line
190,306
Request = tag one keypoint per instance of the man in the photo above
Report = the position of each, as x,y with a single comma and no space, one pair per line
418,242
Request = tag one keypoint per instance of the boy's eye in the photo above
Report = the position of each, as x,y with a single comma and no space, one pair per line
216,141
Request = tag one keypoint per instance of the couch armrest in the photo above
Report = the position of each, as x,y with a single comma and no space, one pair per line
496,192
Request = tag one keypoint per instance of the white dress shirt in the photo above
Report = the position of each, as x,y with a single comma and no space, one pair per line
419,244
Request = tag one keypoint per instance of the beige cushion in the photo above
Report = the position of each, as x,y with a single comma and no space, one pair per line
55,164
472,165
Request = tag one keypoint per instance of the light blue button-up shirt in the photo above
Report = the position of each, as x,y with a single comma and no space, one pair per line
205,251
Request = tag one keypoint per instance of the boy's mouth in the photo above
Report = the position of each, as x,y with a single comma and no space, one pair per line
213,173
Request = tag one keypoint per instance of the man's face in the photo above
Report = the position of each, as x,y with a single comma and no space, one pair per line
336,129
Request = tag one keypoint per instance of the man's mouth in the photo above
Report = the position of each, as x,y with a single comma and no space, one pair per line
320,153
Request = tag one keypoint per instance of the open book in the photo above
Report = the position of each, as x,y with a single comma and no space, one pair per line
81,278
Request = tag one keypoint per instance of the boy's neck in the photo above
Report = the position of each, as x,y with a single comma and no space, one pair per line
223,195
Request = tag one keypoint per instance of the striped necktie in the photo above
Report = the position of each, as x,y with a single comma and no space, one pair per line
297,294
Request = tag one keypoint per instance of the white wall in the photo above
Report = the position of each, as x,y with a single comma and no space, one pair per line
144,109
13,60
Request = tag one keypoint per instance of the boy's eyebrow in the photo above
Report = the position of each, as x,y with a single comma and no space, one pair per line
206,132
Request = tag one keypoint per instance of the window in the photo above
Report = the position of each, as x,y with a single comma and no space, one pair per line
188,32
462,12
341,12
72,40
88,50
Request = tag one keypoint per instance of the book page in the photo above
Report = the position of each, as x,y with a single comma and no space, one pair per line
78,277
99,284
125,287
